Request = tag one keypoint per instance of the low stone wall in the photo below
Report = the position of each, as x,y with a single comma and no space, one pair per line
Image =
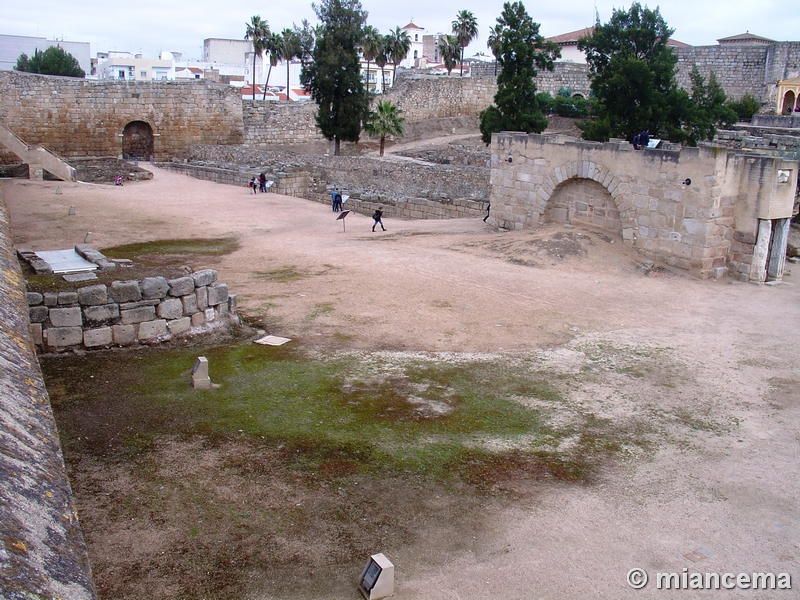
42,552
126,313
782,121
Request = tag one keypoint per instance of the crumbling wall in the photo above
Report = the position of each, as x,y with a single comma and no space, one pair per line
42,552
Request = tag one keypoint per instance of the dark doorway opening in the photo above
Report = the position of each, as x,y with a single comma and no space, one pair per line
137,141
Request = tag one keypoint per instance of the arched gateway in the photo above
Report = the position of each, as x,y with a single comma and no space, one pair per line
137,141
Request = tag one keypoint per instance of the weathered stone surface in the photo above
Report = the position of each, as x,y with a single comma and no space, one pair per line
38,314
198,319
98,337
171,308
98,315
154,287
221,310
34,298
190,304
68,297
139,304
61,337
181,286
202,298
93,295
51,298
124,335
74,277
152,329
125,291
179,325
36,333
232,303
204,277
65,317
210,314
138,315
217,294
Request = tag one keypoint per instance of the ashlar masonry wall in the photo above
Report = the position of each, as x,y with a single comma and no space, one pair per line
685,207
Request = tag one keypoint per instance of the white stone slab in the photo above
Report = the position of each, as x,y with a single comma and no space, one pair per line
272,340
66,261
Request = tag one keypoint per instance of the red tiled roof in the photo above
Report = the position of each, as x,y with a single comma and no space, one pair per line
571,38
412,26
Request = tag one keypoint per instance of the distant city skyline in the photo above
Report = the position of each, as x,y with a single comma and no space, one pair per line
149,27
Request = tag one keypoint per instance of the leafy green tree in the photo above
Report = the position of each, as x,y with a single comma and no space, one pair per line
288,44
707,108
54,60
465,28
745,107
387,119
632,72
257,31
397,46
306,37
449,50
523,50
334,76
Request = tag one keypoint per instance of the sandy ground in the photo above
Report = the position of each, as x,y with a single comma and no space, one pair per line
718,494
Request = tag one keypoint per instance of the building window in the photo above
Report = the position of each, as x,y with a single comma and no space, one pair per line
416,37
143,74
120,74
415,55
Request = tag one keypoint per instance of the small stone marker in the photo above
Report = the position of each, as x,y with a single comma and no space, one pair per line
377,578
88,238
58,191
71,210
272,340
200,378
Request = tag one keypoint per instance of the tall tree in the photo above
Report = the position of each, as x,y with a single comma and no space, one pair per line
288,49
397,46
371,46
449,50
632,72
306,36
271,48
334,76
707,109
54,60
465,28
387,119
381,58
493,43
257,32
522,50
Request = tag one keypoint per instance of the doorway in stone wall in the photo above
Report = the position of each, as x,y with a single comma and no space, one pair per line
137,141
586,202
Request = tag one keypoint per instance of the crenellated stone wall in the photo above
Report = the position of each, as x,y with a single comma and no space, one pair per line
703,209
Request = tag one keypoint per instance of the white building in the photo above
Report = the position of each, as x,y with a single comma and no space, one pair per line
122,66
11,46
415,53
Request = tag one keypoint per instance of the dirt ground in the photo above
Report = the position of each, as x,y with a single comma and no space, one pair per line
711,362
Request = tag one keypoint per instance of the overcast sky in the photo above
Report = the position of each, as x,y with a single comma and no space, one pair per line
149,26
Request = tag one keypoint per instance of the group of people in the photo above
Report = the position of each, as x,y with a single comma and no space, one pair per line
640,140
259,183
336,200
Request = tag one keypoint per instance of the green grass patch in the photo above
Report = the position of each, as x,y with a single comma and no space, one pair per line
202,246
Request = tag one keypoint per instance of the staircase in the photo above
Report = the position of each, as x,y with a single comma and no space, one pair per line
37,158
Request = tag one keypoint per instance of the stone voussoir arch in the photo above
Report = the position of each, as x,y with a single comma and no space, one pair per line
617,187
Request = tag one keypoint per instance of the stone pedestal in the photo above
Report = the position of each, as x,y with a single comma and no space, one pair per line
200,378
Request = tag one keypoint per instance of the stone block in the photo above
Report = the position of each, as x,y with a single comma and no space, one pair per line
232,304
221,310
139,304
201,295
67,298
35,330
198,319
170,308
38,314
179,325
138,315
34,298
96,315
98,337
60,337
51,298
154,288
123,335
181,286
93,295
204,277
218,293
150,330
65,317
210,315
125,291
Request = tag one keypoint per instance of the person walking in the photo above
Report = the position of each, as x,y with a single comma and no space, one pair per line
377,218
488,208
254,185
262,183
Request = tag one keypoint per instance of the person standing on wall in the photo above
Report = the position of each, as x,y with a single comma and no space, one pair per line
644,138
377,218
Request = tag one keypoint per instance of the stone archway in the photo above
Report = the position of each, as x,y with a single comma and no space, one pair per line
137,141
584,201
788,102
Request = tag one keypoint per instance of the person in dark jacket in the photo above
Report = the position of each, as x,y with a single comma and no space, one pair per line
377,218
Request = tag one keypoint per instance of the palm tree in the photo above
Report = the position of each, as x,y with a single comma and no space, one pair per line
397,46
449,49
495,43
371,46
381,58
271,48
465,28
386,120
257,31
288,48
